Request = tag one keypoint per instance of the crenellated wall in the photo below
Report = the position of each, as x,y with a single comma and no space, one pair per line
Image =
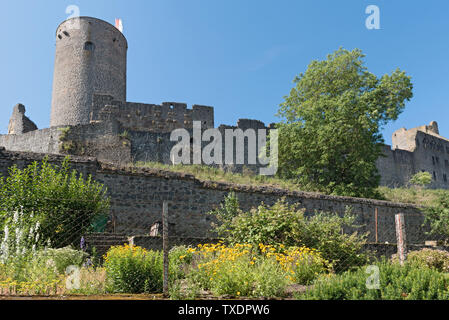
125,133
150,117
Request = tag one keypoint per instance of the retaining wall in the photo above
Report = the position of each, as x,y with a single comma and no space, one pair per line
137,196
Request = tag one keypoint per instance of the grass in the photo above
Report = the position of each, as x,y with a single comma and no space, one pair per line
203,172
411,195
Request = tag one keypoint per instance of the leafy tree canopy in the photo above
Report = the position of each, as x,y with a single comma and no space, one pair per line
330,137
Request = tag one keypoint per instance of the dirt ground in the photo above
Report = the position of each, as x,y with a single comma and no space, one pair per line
93,297
203,296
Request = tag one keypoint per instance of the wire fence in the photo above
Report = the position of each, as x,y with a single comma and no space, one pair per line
102,246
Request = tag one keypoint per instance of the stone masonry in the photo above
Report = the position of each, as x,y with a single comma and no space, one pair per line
137,196
19,122
415,150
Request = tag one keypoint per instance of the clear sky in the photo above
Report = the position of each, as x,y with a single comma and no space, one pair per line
239,56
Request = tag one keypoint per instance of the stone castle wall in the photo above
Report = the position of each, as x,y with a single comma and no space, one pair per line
150,117
415,150
396,167
40,141
19,123
123,133
137,196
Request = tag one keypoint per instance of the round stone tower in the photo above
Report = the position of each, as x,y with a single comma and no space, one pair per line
90,58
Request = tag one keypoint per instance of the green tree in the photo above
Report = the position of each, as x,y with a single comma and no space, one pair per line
63,202
225,213
437,216
421,179
330,137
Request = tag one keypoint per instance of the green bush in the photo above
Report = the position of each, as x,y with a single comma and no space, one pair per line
285,225
30,269
431,258
326,232
238,278
179,257
61,200
305,263
409,282
274,225
437,216
225,213
270,279
64,257
423,178
133,270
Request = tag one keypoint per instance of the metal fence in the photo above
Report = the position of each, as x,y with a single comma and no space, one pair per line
75,227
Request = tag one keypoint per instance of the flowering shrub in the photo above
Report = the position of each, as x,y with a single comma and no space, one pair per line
92,281
224,270
49,287
132,269
30,275
26,268
180,258
285,224
40,277
437,259
247,270
302,264
20,237
64,257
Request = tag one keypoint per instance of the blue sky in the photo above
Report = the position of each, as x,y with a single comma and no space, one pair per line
239,56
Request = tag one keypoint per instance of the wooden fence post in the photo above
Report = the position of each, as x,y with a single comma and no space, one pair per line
400,237
165,245
376,222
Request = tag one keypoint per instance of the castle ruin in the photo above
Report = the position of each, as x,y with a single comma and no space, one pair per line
90,116
415,150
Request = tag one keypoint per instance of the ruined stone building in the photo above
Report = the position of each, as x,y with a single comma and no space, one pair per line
415,150
91,117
